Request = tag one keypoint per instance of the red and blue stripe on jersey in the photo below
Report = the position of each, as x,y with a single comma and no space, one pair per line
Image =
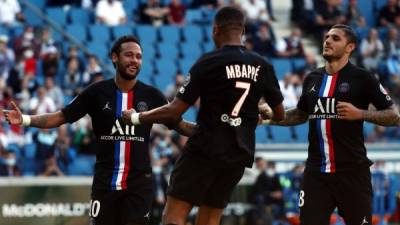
122,149
324,127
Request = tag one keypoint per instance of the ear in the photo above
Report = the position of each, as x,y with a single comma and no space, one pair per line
350,47
215,30
114,57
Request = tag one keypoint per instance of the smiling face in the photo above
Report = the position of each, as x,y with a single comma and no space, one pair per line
336,45
128,61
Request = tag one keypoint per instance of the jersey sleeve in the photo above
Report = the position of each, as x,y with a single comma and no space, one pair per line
78,107
272,93
190,91
377,93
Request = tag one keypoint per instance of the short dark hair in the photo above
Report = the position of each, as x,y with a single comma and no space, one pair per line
349,32
116,48
230,17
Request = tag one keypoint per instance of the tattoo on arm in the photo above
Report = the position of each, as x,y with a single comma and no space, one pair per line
39,121
292,117
386,117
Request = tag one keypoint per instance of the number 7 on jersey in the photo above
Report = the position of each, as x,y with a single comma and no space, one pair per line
239,103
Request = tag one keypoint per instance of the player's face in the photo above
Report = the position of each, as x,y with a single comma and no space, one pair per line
129,60
335,45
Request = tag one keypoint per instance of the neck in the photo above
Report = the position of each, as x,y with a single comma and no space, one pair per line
231,41
124,85
335,65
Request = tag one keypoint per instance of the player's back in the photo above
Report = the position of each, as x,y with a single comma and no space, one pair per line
230,82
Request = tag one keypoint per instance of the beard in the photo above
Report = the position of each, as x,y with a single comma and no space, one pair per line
126,76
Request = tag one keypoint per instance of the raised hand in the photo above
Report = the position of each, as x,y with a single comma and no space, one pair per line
13,116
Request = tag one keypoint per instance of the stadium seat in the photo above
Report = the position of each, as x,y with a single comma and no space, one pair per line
379,4
148,51
261,135
118,31
57,14
193,34
38,3
168,51
147,34
191,50
82,165
31,18
100,33
185,65
80,16
298,63
367,10
208,32
166,67
194,16
208,46
97,48
170,34
77,31
147,67
282,67
29,151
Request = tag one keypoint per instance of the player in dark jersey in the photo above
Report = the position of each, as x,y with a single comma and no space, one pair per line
122,184
335,101
229,82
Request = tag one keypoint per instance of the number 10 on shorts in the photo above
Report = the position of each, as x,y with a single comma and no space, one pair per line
94,208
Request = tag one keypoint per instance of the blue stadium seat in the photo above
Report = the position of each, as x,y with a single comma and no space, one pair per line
129,6
82,165
100,33
31,18
170,34
168,51
39,3
383,33
29,151
298,63
97,48
147,34
193,34
362,32
379,4
166,67
4,31
185,65
209,15
77,31
15,31
191,50
208,33
80,16
302,133
57,14
281,66
147,67
149,51
208,46
261,135
281,134
367,10
194,16
118,31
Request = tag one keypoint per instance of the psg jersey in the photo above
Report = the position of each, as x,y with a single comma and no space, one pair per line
123,149
229,82
335,144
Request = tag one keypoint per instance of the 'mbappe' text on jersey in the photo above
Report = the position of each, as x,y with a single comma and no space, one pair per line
242,71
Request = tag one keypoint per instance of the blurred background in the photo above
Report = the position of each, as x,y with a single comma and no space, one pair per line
51,49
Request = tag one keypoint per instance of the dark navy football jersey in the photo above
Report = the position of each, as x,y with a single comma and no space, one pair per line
229,82
123,149
334,144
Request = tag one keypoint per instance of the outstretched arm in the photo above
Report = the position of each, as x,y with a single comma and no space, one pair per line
385,117
169,114
48,120
292,117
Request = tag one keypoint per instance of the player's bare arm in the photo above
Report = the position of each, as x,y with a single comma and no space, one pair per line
48,120
167,114
385,117
292,117
186,128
